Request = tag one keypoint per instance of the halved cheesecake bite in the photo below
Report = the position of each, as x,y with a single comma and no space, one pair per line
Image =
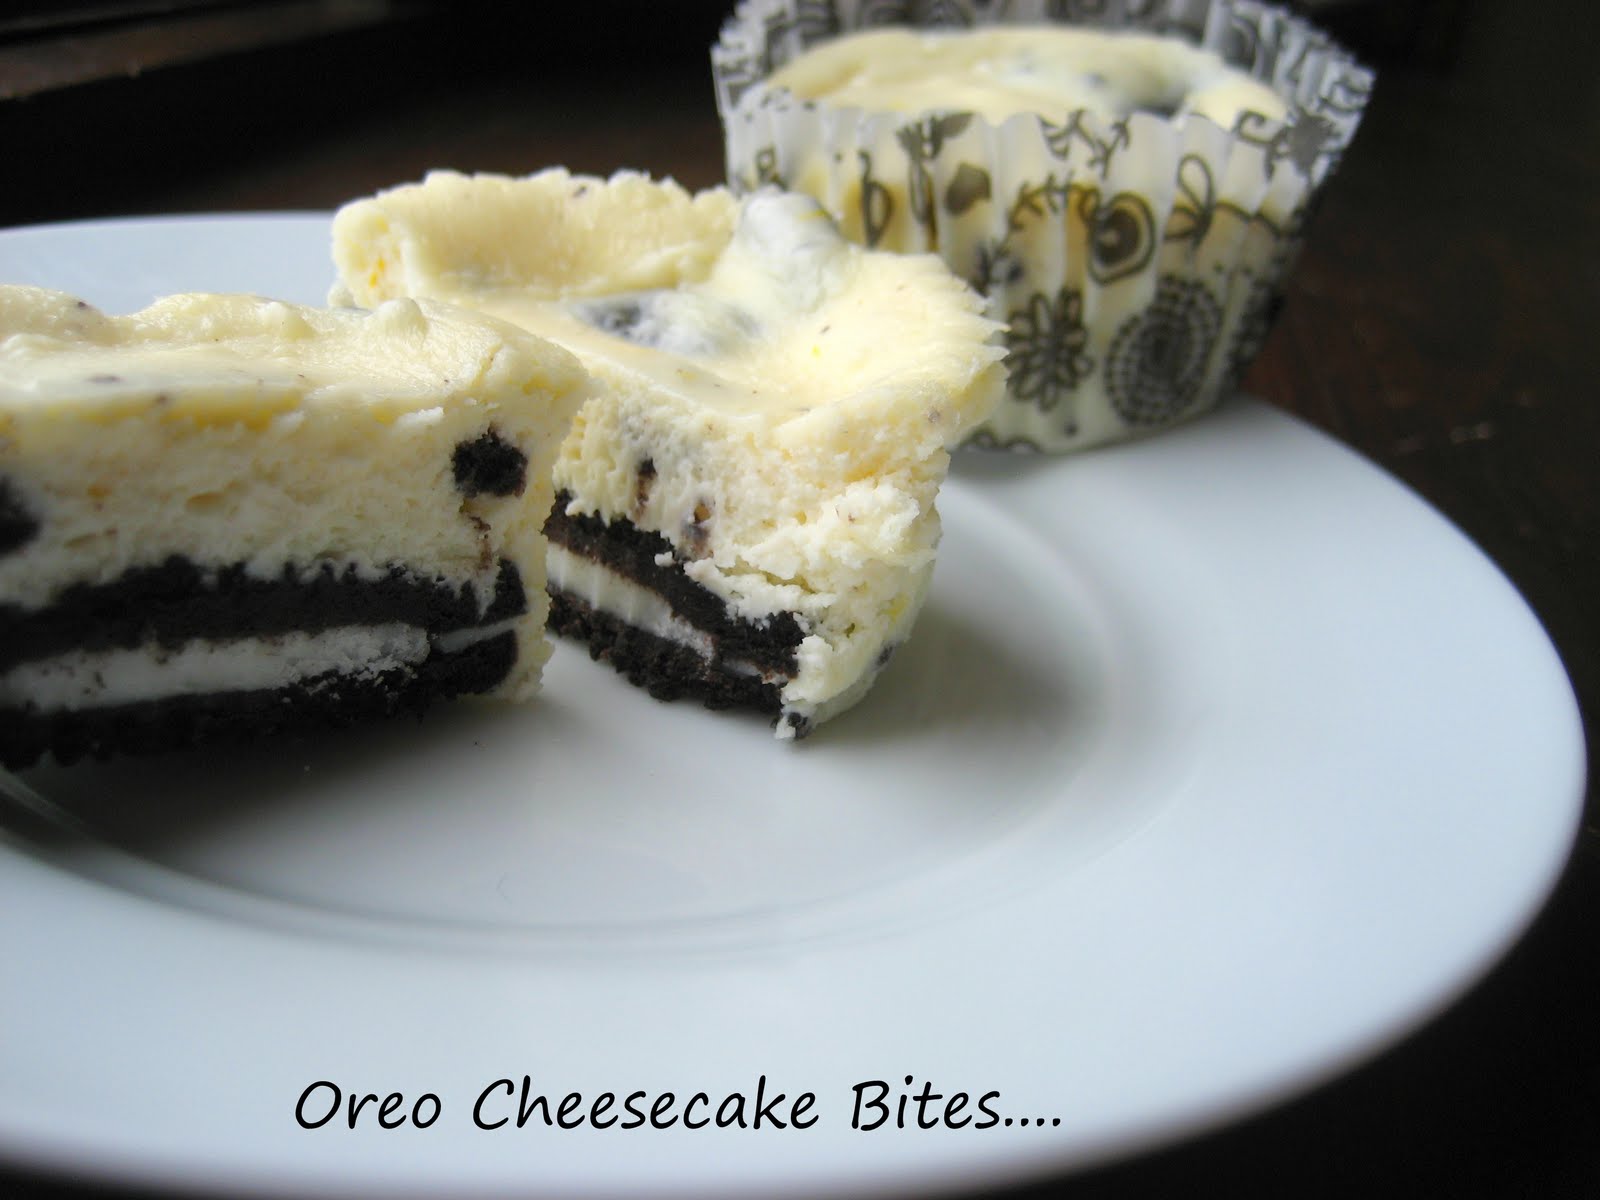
745,510
229,516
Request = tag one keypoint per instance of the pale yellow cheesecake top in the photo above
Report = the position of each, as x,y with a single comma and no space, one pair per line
753,315
208,357
1001,71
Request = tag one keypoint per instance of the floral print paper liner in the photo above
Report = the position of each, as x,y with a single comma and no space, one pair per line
1136,261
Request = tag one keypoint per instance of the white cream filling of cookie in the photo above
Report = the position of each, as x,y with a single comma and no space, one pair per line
107,678
646,610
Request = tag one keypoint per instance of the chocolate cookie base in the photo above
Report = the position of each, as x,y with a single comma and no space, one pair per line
324,701
665,669
175,601
648,559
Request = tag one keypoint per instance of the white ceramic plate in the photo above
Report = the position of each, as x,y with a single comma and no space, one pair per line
1218,763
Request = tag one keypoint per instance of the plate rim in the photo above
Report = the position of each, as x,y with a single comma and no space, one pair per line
31,1150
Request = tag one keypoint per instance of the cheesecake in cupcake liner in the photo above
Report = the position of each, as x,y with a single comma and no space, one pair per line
1135,251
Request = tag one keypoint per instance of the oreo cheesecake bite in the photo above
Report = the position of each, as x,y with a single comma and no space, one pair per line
744,512
1126,184
228,516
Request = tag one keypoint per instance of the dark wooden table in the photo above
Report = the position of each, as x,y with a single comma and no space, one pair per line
1444,321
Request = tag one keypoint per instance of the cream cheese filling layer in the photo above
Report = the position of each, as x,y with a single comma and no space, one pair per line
105,679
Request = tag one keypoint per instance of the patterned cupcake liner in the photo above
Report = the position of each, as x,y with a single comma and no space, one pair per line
1137,261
